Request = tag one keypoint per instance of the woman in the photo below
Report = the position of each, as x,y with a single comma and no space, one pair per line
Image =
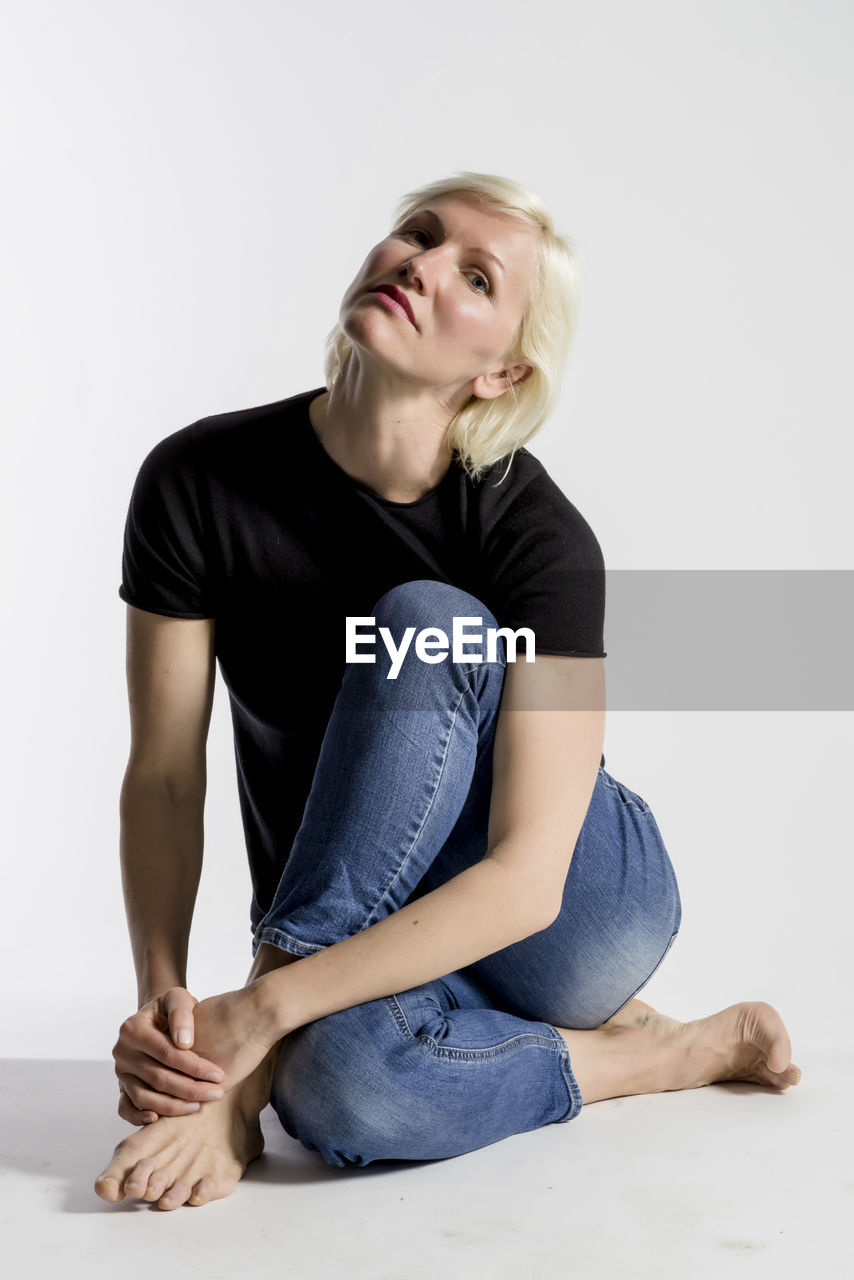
450,951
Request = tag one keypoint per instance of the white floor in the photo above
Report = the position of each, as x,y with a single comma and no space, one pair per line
728,1181
725,1181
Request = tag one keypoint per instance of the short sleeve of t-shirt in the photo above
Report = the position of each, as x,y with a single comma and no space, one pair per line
163,557
545,570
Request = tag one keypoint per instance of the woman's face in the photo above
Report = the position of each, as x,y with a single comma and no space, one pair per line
466,306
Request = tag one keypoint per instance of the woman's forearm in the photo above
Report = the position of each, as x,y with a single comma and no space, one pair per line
161,858
478,912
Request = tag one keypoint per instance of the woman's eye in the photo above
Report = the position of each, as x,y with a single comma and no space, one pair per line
476,275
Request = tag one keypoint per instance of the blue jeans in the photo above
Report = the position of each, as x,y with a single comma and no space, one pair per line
399,804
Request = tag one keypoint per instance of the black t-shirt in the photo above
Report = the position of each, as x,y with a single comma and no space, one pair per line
244,517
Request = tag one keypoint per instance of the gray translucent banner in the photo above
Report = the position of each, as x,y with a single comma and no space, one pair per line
729,640
675,639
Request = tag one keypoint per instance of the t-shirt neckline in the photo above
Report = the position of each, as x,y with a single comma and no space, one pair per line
351,480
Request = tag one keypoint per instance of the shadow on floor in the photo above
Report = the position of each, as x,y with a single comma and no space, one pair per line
58,1120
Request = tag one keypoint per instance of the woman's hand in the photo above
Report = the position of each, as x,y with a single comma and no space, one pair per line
234,1030
156,1077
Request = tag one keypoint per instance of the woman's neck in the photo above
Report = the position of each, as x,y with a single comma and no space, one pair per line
391,446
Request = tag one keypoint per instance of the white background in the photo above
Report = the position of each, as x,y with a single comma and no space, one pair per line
188,188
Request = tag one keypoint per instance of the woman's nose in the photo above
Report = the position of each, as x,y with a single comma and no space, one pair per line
419,268
411,271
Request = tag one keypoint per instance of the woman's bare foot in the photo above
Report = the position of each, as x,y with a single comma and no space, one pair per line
194,1158
642,1051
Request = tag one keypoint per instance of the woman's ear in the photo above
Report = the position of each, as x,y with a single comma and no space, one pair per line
488,386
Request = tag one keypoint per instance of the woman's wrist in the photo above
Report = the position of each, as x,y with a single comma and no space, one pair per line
275,1004
158,968
152,987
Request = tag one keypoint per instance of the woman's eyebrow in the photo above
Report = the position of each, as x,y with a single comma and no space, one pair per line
430,214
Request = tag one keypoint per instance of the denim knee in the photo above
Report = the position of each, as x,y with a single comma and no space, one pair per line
413,1077
425,602
461,639
340,1088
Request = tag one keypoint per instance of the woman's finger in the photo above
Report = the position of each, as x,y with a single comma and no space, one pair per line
162,1080
163,1083
178,1005
142,1037
143,1098
133,1115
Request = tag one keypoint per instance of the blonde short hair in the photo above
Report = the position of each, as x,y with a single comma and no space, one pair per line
484,431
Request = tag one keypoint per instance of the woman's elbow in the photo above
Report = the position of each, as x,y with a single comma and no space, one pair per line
536,911
534,902
549,912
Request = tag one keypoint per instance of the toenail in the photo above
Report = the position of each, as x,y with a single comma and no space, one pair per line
115,1184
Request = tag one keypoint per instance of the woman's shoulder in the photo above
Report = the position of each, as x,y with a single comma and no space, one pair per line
519,482
274,415
528,503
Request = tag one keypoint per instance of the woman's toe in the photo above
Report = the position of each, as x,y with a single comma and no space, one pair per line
178,1194
157,1184
763,1074
137,1180
204,1190
109,1186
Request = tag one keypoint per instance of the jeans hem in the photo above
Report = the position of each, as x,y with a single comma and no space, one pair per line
555,1043
276,938
576,1102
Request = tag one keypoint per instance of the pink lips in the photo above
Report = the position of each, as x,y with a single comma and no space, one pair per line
395,300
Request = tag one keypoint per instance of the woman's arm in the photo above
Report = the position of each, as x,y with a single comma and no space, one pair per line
170,674
548,745
161,860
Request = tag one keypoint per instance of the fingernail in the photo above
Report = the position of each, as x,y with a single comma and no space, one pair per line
185,1037
216,1075
213,1095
